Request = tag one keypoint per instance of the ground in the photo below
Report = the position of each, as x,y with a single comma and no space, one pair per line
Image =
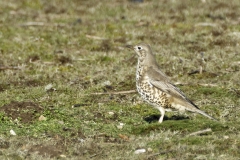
67,79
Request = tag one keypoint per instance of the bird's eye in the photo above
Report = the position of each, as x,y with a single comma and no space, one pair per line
139,47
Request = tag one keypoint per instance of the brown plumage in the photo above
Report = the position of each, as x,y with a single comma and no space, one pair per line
155,87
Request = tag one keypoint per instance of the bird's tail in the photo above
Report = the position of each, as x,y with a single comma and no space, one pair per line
190,106
195,108
206,115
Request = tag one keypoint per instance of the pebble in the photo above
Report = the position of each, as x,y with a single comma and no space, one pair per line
42,118
12,132
138,151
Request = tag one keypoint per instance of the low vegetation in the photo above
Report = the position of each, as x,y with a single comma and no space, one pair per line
67,81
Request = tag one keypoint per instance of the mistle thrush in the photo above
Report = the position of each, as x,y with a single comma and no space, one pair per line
155,87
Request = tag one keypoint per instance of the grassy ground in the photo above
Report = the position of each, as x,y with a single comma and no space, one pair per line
58,54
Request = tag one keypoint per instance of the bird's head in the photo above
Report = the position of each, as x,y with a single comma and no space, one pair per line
144,53
142,50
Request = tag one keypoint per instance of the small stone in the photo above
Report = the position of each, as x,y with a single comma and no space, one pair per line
120,126
149,149
42,118
81,140
106,83
49,88
111,113
63,156
138,151
12,132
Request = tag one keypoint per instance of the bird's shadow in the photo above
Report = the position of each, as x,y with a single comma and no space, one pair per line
155,118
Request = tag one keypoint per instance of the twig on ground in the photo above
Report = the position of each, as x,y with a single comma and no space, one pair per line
7,67
201,132
94,155
120,92
41,24
82,59
195,72
208,85
33,24
204,24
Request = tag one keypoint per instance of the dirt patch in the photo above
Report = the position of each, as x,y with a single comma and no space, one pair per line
44,150
63,59
32,58
4,144
3,87
26,112
27,83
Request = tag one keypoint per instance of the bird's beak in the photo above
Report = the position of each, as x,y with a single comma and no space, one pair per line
129,46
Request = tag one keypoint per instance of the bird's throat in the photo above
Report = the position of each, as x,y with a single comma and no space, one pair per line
140,71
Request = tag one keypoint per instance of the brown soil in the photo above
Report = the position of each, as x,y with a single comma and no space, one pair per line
46,150
26,112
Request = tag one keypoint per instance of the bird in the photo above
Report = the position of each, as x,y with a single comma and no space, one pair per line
156,88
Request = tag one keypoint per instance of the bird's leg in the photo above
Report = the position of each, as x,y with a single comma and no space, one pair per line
162,110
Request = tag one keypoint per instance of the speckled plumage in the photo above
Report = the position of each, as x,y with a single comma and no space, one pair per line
155,87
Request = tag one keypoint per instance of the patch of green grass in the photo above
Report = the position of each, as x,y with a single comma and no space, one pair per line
215,92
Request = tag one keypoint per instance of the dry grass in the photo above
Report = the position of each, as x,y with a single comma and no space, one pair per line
56,54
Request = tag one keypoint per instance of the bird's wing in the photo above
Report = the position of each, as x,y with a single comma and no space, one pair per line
161,81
